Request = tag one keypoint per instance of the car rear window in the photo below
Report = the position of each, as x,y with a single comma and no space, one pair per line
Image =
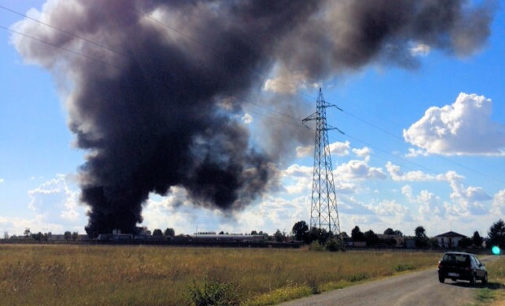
457,259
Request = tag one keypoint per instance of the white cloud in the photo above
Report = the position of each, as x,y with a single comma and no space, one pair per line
340,148
407,191
498,207
419,176
363,152
358,169
247,118
16,225
467,200
1,180
57,201
462,128
389,208
416,152
429,205
420,49
416,176
336,148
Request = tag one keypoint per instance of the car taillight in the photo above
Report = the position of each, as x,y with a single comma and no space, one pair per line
439,265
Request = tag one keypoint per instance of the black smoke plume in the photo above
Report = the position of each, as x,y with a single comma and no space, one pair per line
152,86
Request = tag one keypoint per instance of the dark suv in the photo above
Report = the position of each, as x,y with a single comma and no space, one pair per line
459,265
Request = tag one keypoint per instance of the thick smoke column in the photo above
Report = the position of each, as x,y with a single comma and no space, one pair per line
147,83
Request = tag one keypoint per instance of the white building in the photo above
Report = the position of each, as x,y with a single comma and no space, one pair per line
449,240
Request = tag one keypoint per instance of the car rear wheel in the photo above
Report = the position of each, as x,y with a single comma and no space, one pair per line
441,278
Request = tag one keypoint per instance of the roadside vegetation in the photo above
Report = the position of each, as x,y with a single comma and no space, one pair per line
494,292
112,275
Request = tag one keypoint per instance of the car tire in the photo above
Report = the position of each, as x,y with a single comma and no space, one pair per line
441,279
484,280
473,280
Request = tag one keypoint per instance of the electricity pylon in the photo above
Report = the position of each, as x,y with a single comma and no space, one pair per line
323,208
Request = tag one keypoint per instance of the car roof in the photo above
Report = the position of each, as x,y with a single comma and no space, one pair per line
458,253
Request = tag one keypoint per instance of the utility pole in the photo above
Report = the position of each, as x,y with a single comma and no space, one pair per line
323,208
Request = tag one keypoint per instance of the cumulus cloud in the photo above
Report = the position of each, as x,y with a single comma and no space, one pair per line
340,148
430,204
407,191
416,176
468,200
462,128
358,169
269,214
363,152
336,148
57,201
389,208
17,225
498,207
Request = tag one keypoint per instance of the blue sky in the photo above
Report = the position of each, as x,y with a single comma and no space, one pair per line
448,181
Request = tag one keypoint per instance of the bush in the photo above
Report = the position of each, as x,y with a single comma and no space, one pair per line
358,277
213,293
316,246
404,267
334,245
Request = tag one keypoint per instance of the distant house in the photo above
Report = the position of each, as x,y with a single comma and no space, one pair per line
410,242
449,240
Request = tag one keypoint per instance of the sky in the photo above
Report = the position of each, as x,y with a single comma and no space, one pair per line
422,146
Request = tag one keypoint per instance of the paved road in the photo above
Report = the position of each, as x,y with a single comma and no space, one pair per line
418,288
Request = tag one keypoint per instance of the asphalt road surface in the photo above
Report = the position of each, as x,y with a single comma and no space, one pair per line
417,288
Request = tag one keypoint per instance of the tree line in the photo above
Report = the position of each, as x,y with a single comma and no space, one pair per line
301,232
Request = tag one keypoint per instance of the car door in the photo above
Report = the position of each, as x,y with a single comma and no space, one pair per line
481,270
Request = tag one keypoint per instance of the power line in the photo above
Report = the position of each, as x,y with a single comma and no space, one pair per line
58,47
60,30
100,45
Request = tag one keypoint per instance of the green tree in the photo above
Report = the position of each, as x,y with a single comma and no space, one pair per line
157,233
254,233
300,230
477,239
389,231
279,236
75,236
357,235
398,233
169,232
465,242
370,238
27,232
496,234
38,236
421,239
67,235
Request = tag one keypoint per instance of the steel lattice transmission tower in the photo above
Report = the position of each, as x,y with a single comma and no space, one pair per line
323,208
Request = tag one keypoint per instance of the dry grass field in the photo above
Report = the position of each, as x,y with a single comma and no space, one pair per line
131,275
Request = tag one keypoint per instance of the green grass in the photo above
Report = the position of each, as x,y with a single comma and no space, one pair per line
134,275
494,292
